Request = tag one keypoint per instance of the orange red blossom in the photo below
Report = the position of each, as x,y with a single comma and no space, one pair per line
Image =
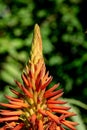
35,107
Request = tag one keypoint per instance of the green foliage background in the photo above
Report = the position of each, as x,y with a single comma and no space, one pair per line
63,29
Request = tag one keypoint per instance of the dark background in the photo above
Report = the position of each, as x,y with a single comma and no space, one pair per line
63,26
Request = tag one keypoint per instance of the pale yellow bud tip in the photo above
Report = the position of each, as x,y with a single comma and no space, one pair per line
36,50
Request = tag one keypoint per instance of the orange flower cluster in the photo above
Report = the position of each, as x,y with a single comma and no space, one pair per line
35,107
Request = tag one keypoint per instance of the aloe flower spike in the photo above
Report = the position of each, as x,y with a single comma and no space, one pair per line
35,107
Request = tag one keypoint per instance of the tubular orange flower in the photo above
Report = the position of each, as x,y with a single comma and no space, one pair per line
35,107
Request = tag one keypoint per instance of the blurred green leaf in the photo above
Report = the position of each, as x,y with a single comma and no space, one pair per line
55,60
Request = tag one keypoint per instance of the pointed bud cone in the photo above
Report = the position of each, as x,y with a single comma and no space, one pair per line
36,51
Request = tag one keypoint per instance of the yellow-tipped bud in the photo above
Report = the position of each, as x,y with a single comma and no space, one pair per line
36,51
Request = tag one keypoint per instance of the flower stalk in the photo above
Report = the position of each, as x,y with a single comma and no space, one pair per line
35,107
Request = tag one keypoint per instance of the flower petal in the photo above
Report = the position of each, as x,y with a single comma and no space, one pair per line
13,118
13,99
16,92
52,88
18,127
53,117
61,111
51,106
40,125
42,112
69,125
57,96
46,83
52,94
11,113
25,80
14,106
26,92
56,102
